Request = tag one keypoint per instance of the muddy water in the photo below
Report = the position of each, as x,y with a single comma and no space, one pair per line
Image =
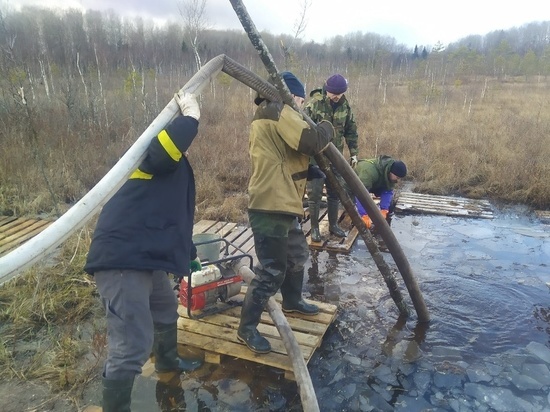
486,284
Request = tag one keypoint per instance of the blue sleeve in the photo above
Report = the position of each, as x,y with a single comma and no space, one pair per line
360,208
385,199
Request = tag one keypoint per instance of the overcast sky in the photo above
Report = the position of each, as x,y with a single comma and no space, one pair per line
410,22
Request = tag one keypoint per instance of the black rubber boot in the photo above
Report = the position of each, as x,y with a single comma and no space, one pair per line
333,205
291,289
251,312
314,218
117,395
165,350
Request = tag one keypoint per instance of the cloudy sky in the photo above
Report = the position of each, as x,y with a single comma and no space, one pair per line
410,22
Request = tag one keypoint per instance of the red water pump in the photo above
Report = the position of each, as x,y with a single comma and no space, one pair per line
208,287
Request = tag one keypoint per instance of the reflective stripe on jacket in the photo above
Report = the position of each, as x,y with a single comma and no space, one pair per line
148,223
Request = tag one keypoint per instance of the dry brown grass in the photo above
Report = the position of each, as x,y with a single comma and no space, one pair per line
473,137
48,319
470,138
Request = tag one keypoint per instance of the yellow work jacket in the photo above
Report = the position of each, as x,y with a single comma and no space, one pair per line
280,145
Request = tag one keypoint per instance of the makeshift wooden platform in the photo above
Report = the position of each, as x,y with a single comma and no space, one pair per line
331,243
409,202
217,334
543,216
14,231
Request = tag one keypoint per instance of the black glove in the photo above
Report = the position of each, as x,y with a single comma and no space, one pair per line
313,172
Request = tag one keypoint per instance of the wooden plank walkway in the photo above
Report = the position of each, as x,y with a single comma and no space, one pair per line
16,230
543,216
409,202
331,243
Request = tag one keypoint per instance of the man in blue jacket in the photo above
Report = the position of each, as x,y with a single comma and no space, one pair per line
143,233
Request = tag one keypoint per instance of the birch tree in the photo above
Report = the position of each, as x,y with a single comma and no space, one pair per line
195,23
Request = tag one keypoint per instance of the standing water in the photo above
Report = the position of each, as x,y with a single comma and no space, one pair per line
487,346
486,285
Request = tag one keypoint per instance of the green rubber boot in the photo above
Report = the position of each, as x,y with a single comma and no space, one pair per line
333,205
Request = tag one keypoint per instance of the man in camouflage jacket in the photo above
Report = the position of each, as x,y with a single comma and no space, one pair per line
330,103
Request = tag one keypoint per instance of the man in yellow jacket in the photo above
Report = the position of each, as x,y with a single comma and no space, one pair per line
281,143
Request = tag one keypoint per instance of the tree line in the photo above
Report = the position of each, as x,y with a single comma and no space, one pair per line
39,43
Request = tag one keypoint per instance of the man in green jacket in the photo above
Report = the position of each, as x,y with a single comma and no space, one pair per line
330,103
379,175
280,146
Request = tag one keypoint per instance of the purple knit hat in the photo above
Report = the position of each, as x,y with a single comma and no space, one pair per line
336,84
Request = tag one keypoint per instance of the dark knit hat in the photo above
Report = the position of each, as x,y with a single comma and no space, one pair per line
398,168
336,84
294,85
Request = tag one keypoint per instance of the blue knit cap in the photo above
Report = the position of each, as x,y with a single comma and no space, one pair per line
294,85
398,168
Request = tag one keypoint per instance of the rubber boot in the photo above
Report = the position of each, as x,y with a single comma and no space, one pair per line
251,312
333,205
117,395
291,289
165,350
314,193
314,217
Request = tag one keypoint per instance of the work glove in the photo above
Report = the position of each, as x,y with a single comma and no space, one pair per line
384,213
353,161
195,265
314,172
188,104
368,222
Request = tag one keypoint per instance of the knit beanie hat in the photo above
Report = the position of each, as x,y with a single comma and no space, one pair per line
398,168
294,85
336,84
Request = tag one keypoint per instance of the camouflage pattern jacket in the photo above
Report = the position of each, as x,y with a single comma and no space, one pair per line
280,145
319,108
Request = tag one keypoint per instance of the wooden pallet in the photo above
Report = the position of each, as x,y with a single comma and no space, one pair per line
543,216
332,243
409,202
217,335
14,231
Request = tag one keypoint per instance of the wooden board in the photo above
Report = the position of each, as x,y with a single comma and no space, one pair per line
217,334
409,202
332,243
15,231
543,216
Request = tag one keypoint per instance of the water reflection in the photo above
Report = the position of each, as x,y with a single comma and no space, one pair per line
485,349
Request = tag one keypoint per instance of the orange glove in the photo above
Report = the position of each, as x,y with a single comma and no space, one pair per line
367,221
384,213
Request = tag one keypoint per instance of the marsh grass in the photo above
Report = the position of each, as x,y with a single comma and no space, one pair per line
478,137
49,324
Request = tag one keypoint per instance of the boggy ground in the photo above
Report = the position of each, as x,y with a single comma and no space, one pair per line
486,286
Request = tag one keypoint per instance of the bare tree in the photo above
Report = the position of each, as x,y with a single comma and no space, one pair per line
299,27
193,13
